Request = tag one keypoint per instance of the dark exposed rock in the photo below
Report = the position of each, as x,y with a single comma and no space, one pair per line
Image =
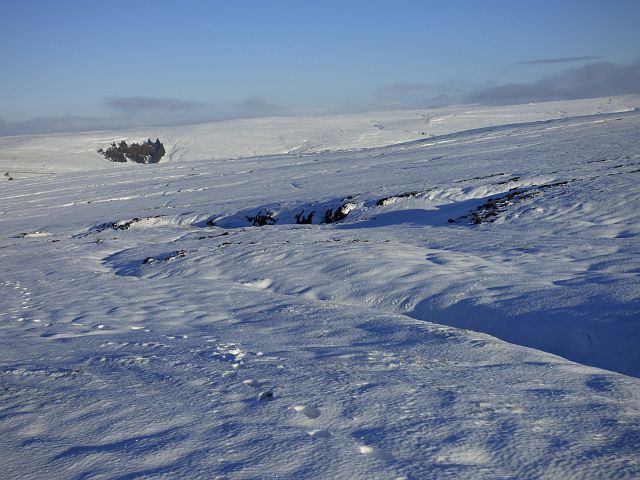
331,216
551,185
483,177
120,224
117,225
512,179
392,199
488,212
261,219
168,257
266,396
301,219
310,213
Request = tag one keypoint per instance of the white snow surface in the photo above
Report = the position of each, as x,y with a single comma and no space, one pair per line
472,312
29,155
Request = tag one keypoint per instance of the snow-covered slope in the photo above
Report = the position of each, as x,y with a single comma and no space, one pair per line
44,154
150,330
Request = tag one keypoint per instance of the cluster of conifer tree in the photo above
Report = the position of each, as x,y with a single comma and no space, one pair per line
145,152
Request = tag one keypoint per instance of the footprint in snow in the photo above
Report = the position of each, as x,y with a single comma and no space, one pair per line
312,413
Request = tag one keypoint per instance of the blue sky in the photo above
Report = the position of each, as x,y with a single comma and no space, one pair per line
178,61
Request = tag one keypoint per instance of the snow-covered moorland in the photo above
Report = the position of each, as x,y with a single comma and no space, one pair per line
449,293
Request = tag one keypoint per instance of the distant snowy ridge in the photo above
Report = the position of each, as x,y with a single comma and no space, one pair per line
57,153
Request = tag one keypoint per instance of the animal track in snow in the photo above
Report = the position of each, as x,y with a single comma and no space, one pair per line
21,303
237,357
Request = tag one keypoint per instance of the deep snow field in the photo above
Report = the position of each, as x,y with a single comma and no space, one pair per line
438,294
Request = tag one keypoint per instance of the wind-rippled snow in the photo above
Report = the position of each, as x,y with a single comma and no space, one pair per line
147,330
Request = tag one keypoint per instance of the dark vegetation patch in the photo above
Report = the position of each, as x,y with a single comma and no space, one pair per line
145,152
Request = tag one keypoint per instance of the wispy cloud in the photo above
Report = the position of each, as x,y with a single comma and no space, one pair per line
598,79
142,104
551,61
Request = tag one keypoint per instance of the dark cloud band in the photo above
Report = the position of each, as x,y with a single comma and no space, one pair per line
599,79
551,61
